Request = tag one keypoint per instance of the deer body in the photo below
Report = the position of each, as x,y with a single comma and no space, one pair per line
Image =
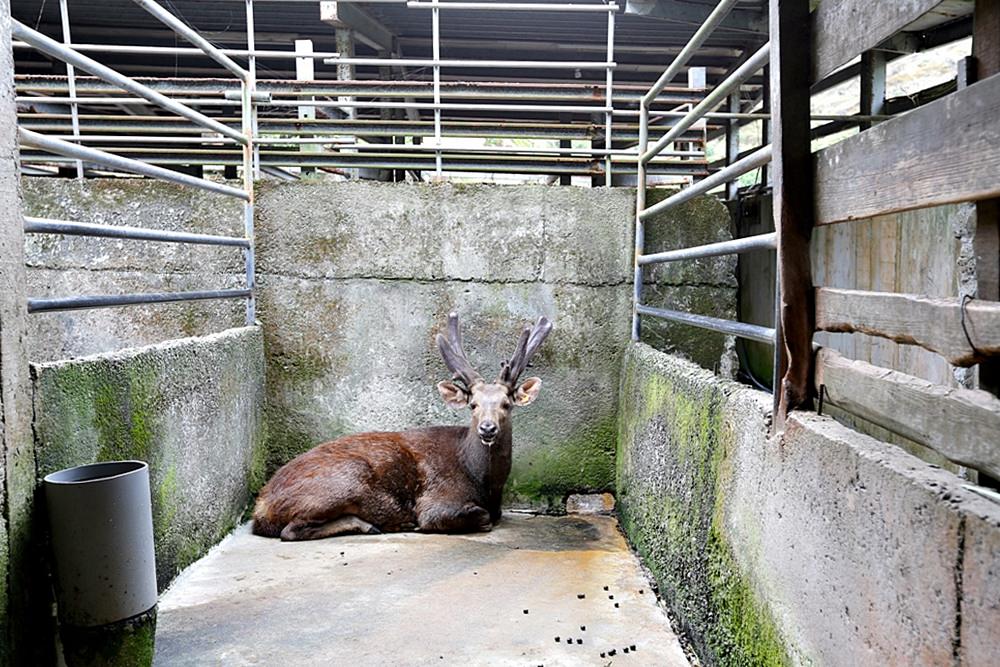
435,479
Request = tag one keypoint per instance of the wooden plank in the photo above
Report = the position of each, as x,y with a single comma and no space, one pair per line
945,152
934,324
844,29
961,424
793,204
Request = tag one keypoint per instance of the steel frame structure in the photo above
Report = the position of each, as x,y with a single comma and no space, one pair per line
75,151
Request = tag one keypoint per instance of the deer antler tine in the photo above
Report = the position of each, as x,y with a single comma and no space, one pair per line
453,354
529,342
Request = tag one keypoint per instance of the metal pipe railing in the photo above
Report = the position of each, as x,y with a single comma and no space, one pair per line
33,225
109,300
192,36
71,150
755,160
437,61
758,60
68,55
517,6
70,78
741,329
767,241
717,16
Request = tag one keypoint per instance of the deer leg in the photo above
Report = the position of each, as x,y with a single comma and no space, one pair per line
299,530
467,518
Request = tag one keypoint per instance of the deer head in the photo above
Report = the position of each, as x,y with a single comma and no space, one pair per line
491,402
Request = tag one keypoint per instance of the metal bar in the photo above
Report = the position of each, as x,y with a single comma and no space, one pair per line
758,158
191,35
717,16
497,64
516,6
436,37
736,246
135,49
741,329
33,225
57,50
248,205
252,80
109,300
71,79
40,141
713,99
640,205
608,100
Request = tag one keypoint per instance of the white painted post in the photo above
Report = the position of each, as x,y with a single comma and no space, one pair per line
305,70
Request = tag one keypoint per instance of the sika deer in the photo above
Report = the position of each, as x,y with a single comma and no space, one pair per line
436,479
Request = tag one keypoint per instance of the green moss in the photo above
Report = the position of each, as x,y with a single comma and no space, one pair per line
581,463
672,508
128,643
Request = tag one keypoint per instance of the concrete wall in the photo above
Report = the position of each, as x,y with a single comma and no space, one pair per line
823,546
356,278
76,265
192,408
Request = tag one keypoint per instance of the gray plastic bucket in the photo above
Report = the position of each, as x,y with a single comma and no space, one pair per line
101,523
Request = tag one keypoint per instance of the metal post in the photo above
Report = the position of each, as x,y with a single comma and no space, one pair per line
607,96
436,30
640,204
252,81
346,72
305,71
248,204
74,109
733,145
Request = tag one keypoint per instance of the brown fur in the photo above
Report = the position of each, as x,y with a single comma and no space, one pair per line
393,481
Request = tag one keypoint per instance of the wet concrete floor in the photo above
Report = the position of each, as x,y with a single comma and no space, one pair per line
499,598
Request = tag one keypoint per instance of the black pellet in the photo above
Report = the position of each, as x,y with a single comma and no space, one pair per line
616,605
611,597
641,591
557,640
583,628
603,654
633,648
579,641
569,640
525,611
580,596
625,650
612,652
605,588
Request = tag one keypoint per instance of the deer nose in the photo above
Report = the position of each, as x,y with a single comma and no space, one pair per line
487,430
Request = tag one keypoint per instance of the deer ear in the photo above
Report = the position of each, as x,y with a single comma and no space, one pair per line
527,392
453,395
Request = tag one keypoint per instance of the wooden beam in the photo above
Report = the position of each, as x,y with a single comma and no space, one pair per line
843,29
934,324
961,424
793,203
366,28
945,152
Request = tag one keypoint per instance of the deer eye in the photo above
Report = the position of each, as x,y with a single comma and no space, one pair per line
505,405
473,405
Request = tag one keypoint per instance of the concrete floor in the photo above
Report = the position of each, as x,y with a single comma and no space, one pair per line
496,598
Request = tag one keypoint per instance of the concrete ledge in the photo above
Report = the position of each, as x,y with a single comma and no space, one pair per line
191,408
824,546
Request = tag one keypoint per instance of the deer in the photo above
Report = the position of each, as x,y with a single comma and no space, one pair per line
437,479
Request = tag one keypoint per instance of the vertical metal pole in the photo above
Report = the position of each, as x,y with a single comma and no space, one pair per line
74,109
733,144
248,205
640,203
305,71
436,29
252,69
872,85
607,96
697,79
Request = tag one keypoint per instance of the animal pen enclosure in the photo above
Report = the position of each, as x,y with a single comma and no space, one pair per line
340,169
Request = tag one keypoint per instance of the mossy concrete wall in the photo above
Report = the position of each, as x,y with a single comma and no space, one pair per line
820,547
191,408
356,278
77,265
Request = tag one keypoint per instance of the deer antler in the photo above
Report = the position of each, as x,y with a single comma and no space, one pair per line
454,355
529,342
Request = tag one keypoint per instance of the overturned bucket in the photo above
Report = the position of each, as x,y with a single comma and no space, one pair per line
101,527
